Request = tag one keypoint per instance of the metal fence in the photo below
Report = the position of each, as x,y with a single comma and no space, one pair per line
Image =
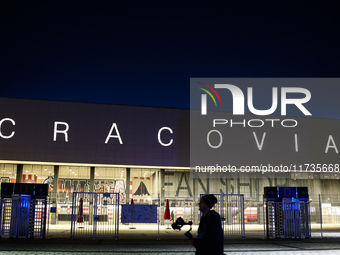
231,209
179,207
95,215
23,217
288,219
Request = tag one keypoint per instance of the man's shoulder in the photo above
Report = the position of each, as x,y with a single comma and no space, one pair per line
214,214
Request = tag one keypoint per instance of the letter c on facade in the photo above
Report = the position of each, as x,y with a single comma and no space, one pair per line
7,136
159,136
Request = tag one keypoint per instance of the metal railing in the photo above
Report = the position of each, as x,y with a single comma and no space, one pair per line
23,218
288,219
231,209
95,215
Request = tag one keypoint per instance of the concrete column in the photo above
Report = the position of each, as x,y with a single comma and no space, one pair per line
259,200
127,188
91,197
54,217
162,180
228,209
195,200
194,190
228,188
92,172
20,168
156,185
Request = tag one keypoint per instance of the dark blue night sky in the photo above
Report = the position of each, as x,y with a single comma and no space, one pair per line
144,53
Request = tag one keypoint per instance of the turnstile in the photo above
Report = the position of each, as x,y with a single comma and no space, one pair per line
287,214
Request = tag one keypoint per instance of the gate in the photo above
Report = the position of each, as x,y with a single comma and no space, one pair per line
288,219
231,209
95,215
21,216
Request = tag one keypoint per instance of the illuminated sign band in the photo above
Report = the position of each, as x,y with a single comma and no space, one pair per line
50,131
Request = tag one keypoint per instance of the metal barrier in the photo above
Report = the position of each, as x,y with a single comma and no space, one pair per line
288,219
234,225
95,215
23,217
231,209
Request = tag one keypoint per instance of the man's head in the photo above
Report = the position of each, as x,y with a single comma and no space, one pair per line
207,202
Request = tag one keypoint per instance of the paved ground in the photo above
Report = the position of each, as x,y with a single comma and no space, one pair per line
150,231
143,240
172,246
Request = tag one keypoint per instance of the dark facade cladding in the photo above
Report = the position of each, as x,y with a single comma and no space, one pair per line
101,134
267,141
85,133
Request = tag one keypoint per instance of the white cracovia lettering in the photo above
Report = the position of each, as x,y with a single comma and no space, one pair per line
61,132
61,129
260,139
12,133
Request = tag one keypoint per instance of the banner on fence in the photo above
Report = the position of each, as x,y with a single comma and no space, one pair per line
139,214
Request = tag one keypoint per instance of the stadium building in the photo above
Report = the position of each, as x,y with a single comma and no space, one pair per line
143,153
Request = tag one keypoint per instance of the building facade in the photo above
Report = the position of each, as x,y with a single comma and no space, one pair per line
142,153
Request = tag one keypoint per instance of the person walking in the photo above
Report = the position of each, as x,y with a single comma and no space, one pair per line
209,239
